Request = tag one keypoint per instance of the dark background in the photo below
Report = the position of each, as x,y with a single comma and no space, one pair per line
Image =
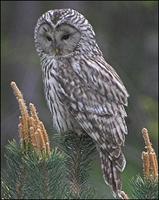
127,34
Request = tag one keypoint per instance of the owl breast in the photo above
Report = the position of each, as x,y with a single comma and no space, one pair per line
62,120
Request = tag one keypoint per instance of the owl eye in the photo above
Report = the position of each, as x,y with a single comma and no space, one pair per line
65,37
48,38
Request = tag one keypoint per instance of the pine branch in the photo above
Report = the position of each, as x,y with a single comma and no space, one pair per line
35,172
79,151
150,164
31,129
12,178
28,177
146,187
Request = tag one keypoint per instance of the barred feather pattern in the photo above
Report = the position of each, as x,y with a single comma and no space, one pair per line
85,94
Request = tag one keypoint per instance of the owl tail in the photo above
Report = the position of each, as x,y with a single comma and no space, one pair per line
112,171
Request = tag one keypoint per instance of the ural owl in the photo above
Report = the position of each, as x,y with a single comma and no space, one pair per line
84,93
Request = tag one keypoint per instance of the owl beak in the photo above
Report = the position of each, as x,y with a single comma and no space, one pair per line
55,48
57,51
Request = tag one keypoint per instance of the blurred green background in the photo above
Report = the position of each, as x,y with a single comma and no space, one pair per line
127,33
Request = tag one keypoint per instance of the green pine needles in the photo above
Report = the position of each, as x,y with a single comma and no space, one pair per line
59,175
34,171
144,188
27,176
79,154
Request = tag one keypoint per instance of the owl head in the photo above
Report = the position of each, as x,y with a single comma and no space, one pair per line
63,32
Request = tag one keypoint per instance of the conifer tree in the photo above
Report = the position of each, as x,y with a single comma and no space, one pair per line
35,171
146,186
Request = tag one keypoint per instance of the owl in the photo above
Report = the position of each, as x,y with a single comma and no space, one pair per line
84,93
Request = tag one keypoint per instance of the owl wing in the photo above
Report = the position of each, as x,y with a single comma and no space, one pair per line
93,90
95,97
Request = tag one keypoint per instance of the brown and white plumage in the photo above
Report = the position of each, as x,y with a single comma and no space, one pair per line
83,92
